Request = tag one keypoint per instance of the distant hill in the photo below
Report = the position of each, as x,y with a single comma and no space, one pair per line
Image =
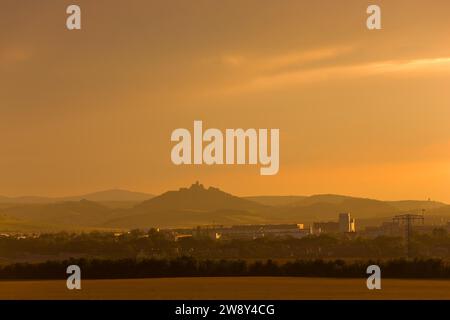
79,213
198,205
309,210
275,200
113,195
191,206
324,198
26,199
440,211
8,224
197,197
406,205
328,206
184,218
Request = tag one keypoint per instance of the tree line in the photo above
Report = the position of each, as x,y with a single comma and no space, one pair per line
154,244
191,267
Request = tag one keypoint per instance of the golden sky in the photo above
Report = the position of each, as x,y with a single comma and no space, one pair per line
364,113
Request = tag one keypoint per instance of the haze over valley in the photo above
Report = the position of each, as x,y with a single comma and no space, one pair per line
196,205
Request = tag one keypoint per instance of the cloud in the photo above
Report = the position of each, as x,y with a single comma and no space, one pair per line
260,62
426,64
296,59
303,76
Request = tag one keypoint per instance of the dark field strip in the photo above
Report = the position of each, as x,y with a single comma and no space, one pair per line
190,267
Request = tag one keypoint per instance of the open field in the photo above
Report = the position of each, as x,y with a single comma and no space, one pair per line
227,288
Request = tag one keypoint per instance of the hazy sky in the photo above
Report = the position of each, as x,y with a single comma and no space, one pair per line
360,112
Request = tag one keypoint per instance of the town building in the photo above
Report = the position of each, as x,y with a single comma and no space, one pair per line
325,227
345,224
264,231
256,231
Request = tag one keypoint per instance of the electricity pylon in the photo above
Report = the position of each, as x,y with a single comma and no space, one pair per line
407,220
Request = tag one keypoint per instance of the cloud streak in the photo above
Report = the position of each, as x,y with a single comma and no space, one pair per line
305,76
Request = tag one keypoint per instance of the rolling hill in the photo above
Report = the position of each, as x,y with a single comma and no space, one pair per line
275,200
118,195
406,205
440,211
113,195
327,206
197,197
71,213
197,205
13,225
190,206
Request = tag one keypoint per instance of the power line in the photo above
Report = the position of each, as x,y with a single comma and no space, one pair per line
407,220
